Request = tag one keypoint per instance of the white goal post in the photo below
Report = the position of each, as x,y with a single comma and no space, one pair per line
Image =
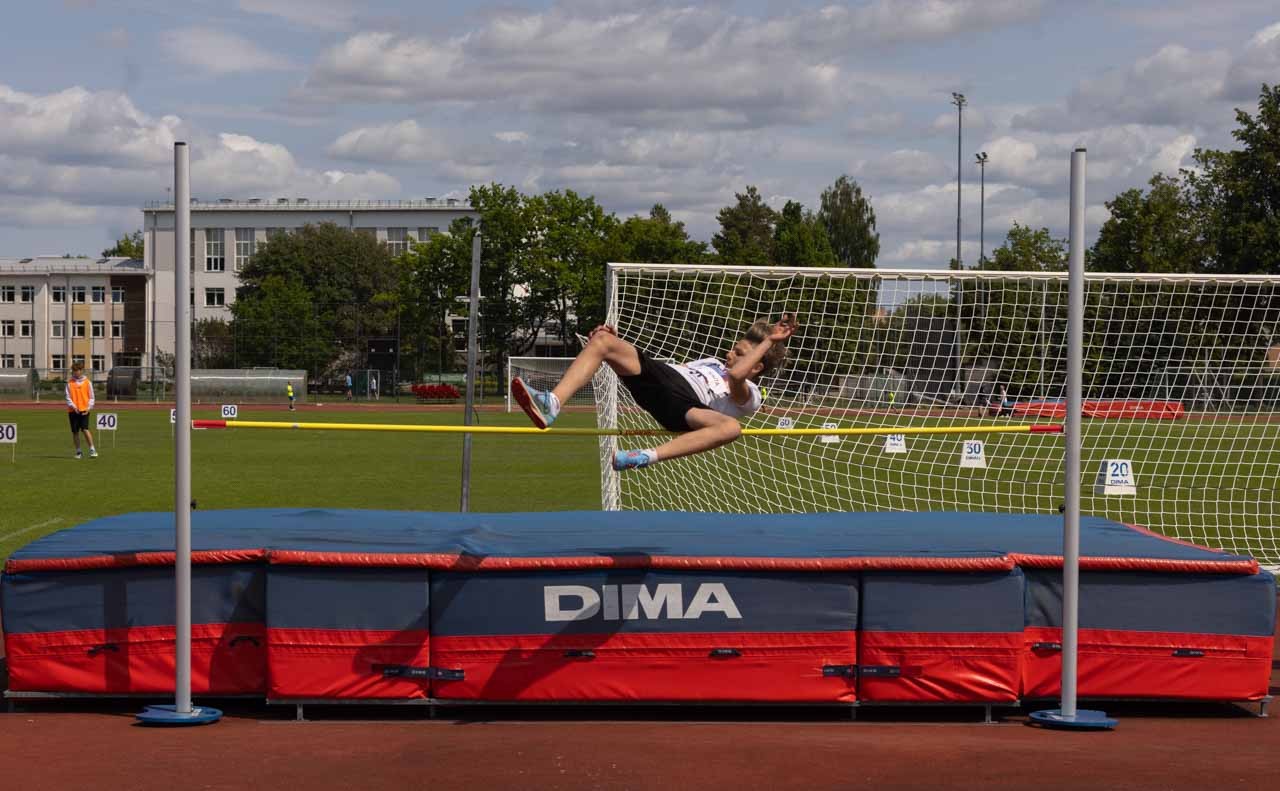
1181,392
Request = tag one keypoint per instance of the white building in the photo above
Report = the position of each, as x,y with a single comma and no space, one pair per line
57,311
116,311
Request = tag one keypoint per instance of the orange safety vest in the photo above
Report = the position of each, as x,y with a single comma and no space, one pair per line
79,395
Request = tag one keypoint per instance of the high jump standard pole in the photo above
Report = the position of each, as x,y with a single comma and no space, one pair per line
1068,716
472,347
181,712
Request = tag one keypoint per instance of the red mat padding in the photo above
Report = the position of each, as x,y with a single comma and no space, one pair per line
939,667
226,659
1124,664
346,664
720,666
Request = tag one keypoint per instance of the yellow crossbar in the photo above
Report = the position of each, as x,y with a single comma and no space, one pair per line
614,432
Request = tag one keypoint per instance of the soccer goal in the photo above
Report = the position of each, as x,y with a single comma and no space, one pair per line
543,373
1181,389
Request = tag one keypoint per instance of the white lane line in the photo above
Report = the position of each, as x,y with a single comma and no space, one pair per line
33,528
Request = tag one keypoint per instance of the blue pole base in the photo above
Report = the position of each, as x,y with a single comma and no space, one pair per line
168,715
1084,720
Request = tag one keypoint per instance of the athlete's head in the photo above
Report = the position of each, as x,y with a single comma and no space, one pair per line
773,358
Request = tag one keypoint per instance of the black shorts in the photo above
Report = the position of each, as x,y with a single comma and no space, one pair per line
79,422
662,392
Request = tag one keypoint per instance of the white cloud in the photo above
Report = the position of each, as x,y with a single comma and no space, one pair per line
512,137
77,125
311,14
908,165
404,141
1259,62
699,64
219,52
77,156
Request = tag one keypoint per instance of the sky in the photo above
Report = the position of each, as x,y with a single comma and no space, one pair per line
635,103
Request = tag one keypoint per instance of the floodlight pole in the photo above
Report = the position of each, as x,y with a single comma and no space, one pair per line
472,347
181,712
1068,716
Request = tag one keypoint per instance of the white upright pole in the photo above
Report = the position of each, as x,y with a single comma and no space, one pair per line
1068,716
182,438
472,344
181,712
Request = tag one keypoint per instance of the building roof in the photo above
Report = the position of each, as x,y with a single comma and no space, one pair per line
305,204
57,265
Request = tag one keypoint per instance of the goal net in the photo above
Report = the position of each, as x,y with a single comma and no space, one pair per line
1181,395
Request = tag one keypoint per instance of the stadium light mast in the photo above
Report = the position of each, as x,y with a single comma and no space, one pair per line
982,206
959,101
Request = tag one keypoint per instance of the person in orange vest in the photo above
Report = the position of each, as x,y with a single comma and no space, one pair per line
79,403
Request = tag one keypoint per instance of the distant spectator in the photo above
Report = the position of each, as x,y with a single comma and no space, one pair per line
373,386
348,387
289,392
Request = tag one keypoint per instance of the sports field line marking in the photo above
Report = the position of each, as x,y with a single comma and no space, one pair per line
38,526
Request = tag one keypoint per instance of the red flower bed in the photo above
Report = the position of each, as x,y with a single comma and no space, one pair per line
440,392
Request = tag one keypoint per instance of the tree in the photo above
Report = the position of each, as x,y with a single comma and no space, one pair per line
513,314
746,231
212,344
800,239
349,280
851,224
569,261
280,326
655,239
127,246
432,274
1155,231
1025,250
1238,193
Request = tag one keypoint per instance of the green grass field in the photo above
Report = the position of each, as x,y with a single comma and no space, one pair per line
47,489
1214,482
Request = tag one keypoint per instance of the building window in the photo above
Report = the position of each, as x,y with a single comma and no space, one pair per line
77,329
58,330
78,293
77,359
99,362
397,240
7,328
59,362
426,233
28,293
98,294
27,361
244,247
214,297
98,329
58,293
215,259
8,294
117,293
27,328
117,329
6,361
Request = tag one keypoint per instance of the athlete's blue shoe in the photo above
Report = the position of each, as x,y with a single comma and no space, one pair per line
535,403
631,459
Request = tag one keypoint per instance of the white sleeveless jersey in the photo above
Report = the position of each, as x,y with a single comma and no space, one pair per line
709,378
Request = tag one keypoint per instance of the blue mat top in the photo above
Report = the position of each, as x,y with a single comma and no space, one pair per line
593,533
